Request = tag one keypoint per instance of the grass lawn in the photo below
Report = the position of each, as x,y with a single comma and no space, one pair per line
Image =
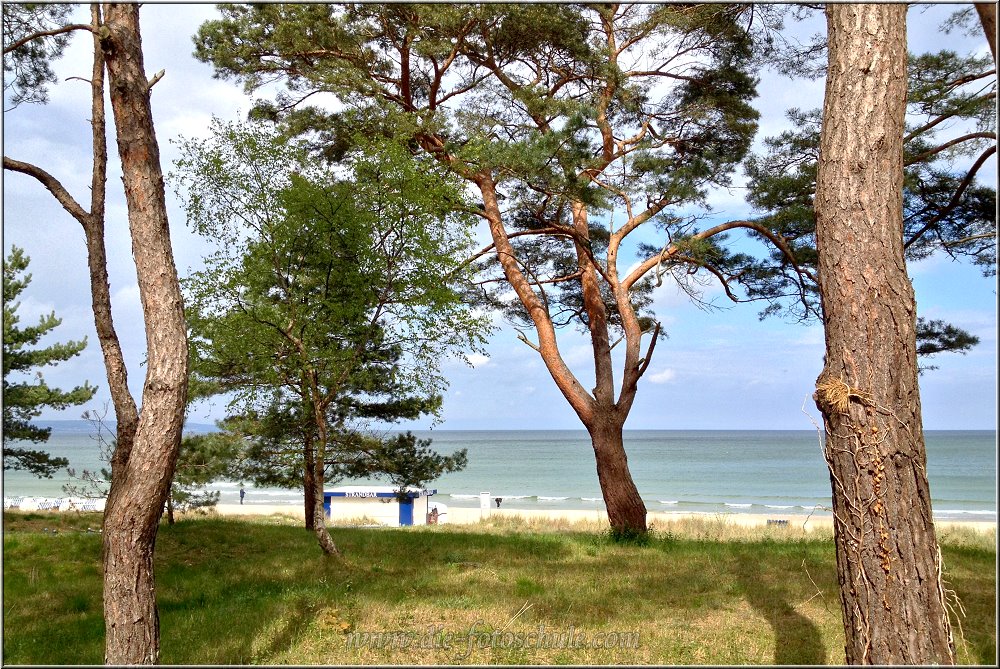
243,591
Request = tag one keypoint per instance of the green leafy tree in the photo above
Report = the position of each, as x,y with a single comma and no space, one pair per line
25,399
324,304
583,130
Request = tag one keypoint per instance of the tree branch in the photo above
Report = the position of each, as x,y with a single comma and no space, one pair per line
944,117
959,192
671,251
948,145
52,184
156,77
966,240
48,33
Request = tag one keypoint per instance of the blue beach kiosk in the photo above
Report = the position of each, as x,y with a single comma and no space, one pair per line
381,504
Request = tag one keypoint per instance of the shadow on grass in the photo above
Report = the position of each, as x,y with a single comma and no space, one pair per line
971,574
234,592
230,593
797,640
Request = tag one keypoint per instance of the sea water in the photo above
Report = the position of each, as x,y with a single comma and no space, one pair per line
699,471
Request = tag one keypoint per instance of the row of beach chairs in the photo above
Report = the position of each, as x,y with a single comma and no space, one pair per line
53,504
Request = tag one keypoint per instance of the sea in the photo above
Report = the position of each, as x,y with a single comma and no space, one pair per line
696,471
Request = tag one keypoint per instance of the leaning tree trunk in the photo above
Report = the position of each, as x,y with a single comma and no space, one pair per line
626,510
136,503
319,467
319,515
309,481
888,561
600,414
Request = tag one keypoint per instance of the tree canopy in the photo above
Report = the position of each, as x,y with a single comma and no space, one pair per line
324,305
576,125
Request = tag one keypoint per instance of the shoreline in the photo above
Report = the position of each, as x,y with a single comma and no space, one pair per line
820,519
468,516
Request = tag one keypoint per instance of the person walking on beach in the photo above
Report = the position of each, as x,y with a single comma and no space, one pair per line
243,493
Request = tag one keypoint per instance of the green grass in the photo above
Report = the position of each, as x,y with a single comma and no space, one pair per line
240,592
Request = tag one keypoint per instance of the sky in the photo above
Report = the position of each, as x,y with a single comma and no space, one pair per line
718,369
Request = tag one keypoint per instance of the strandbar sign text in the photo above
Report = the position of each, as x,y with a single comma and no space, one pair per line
370,493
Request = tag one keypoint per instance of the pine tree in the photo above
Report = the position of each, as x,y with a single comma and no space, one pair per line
556,117
888,560
323,304
24,399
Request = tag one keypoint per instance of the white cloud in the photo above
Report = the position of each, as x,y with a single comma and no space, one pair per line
127,297
477,360
664,376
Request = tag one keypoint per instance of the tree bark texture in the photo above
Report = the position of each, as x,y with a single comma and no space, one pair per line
888,560
142,482
626,510
126,413
988,19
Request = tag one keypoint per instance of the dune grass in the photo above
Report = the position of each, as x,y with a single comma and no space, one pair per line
242,591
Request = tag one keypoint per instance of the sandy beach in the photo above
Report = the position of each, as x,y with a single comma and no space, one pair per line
465,516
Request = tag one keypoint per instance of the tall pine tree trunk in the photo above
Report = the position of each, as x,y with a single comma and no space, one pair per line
626,510
126,413
887,554
326,542
142,482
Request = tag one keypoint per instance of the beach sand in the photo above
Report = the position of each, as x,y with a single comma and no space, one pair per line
465,516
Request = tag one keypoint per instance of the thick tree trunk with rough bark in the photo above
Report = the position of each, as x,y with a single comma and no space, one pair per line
887,554
626,510
142,482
